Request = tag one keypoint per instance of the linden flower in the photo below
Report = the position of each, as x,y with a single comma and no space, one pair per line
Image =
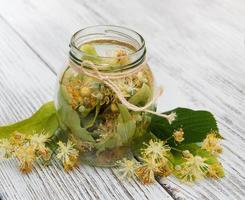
67,154
193,169
142,77
38,140
17,139
85,91
45,154
211,143
215,171
5,149
128,88
178,135
122,57
157,150
126,168
165,170
131,88
146,172
26,156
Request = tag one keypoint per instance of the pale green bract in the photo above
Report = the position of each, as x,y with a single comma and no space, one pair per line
126,125
70,117
43,120
142,96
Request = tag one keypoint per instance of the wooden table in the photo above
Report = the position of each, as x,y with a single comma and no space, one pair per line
195,48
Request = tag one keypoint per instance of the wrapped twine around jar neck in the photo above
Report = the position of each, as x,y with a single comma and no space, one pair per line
89,68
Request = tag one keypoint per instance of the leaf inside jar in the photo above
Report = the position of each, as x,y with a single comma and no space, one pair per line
71,119
107,54
142,96
126,125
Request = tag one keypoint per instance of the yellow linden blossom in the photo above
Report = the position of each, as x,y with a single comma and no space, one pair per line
178,135
157,150
211,143
38,141
26,156
127,87
25,149
17,139
194,168
67,154
215,171
122,57
141,76
146,172
165,170
45,154
5,149
126,168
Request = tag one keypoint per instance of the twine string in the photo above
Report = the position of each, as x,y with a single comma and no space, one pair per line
107,78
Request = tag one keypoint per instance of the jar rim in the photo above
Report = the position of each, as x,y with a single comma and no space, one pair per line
109,28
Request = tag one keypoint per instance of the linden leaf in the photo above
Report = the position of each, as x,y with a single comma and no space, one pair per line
43,120
141,97
70,118
90,53
90,119
88,49
195,124
126,125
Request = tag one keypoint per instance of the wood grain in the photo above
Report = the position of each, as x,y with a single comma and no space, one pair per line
26,83
196,49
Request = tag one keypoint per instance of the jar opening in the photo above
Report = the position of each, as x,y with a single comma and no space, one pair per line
99,44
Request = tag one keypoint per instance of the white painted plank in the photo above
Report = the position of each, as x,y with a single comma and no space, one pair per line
52,183
26,83
211,84
198,46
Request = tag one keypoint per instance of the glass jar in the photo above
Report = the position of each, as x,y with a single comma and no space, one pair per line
99,91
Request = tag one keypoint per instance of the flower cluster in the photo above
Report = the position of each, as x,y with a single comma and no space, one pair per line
34,148
193,168
157,160
67,154
27,149
154,161
84,92
211,143
126,168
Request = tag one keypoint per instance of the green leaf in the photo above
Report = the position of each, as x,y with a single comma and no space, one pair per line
44,119
126,125
90,53
89,120
71,119
196,125
142,95
88,49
